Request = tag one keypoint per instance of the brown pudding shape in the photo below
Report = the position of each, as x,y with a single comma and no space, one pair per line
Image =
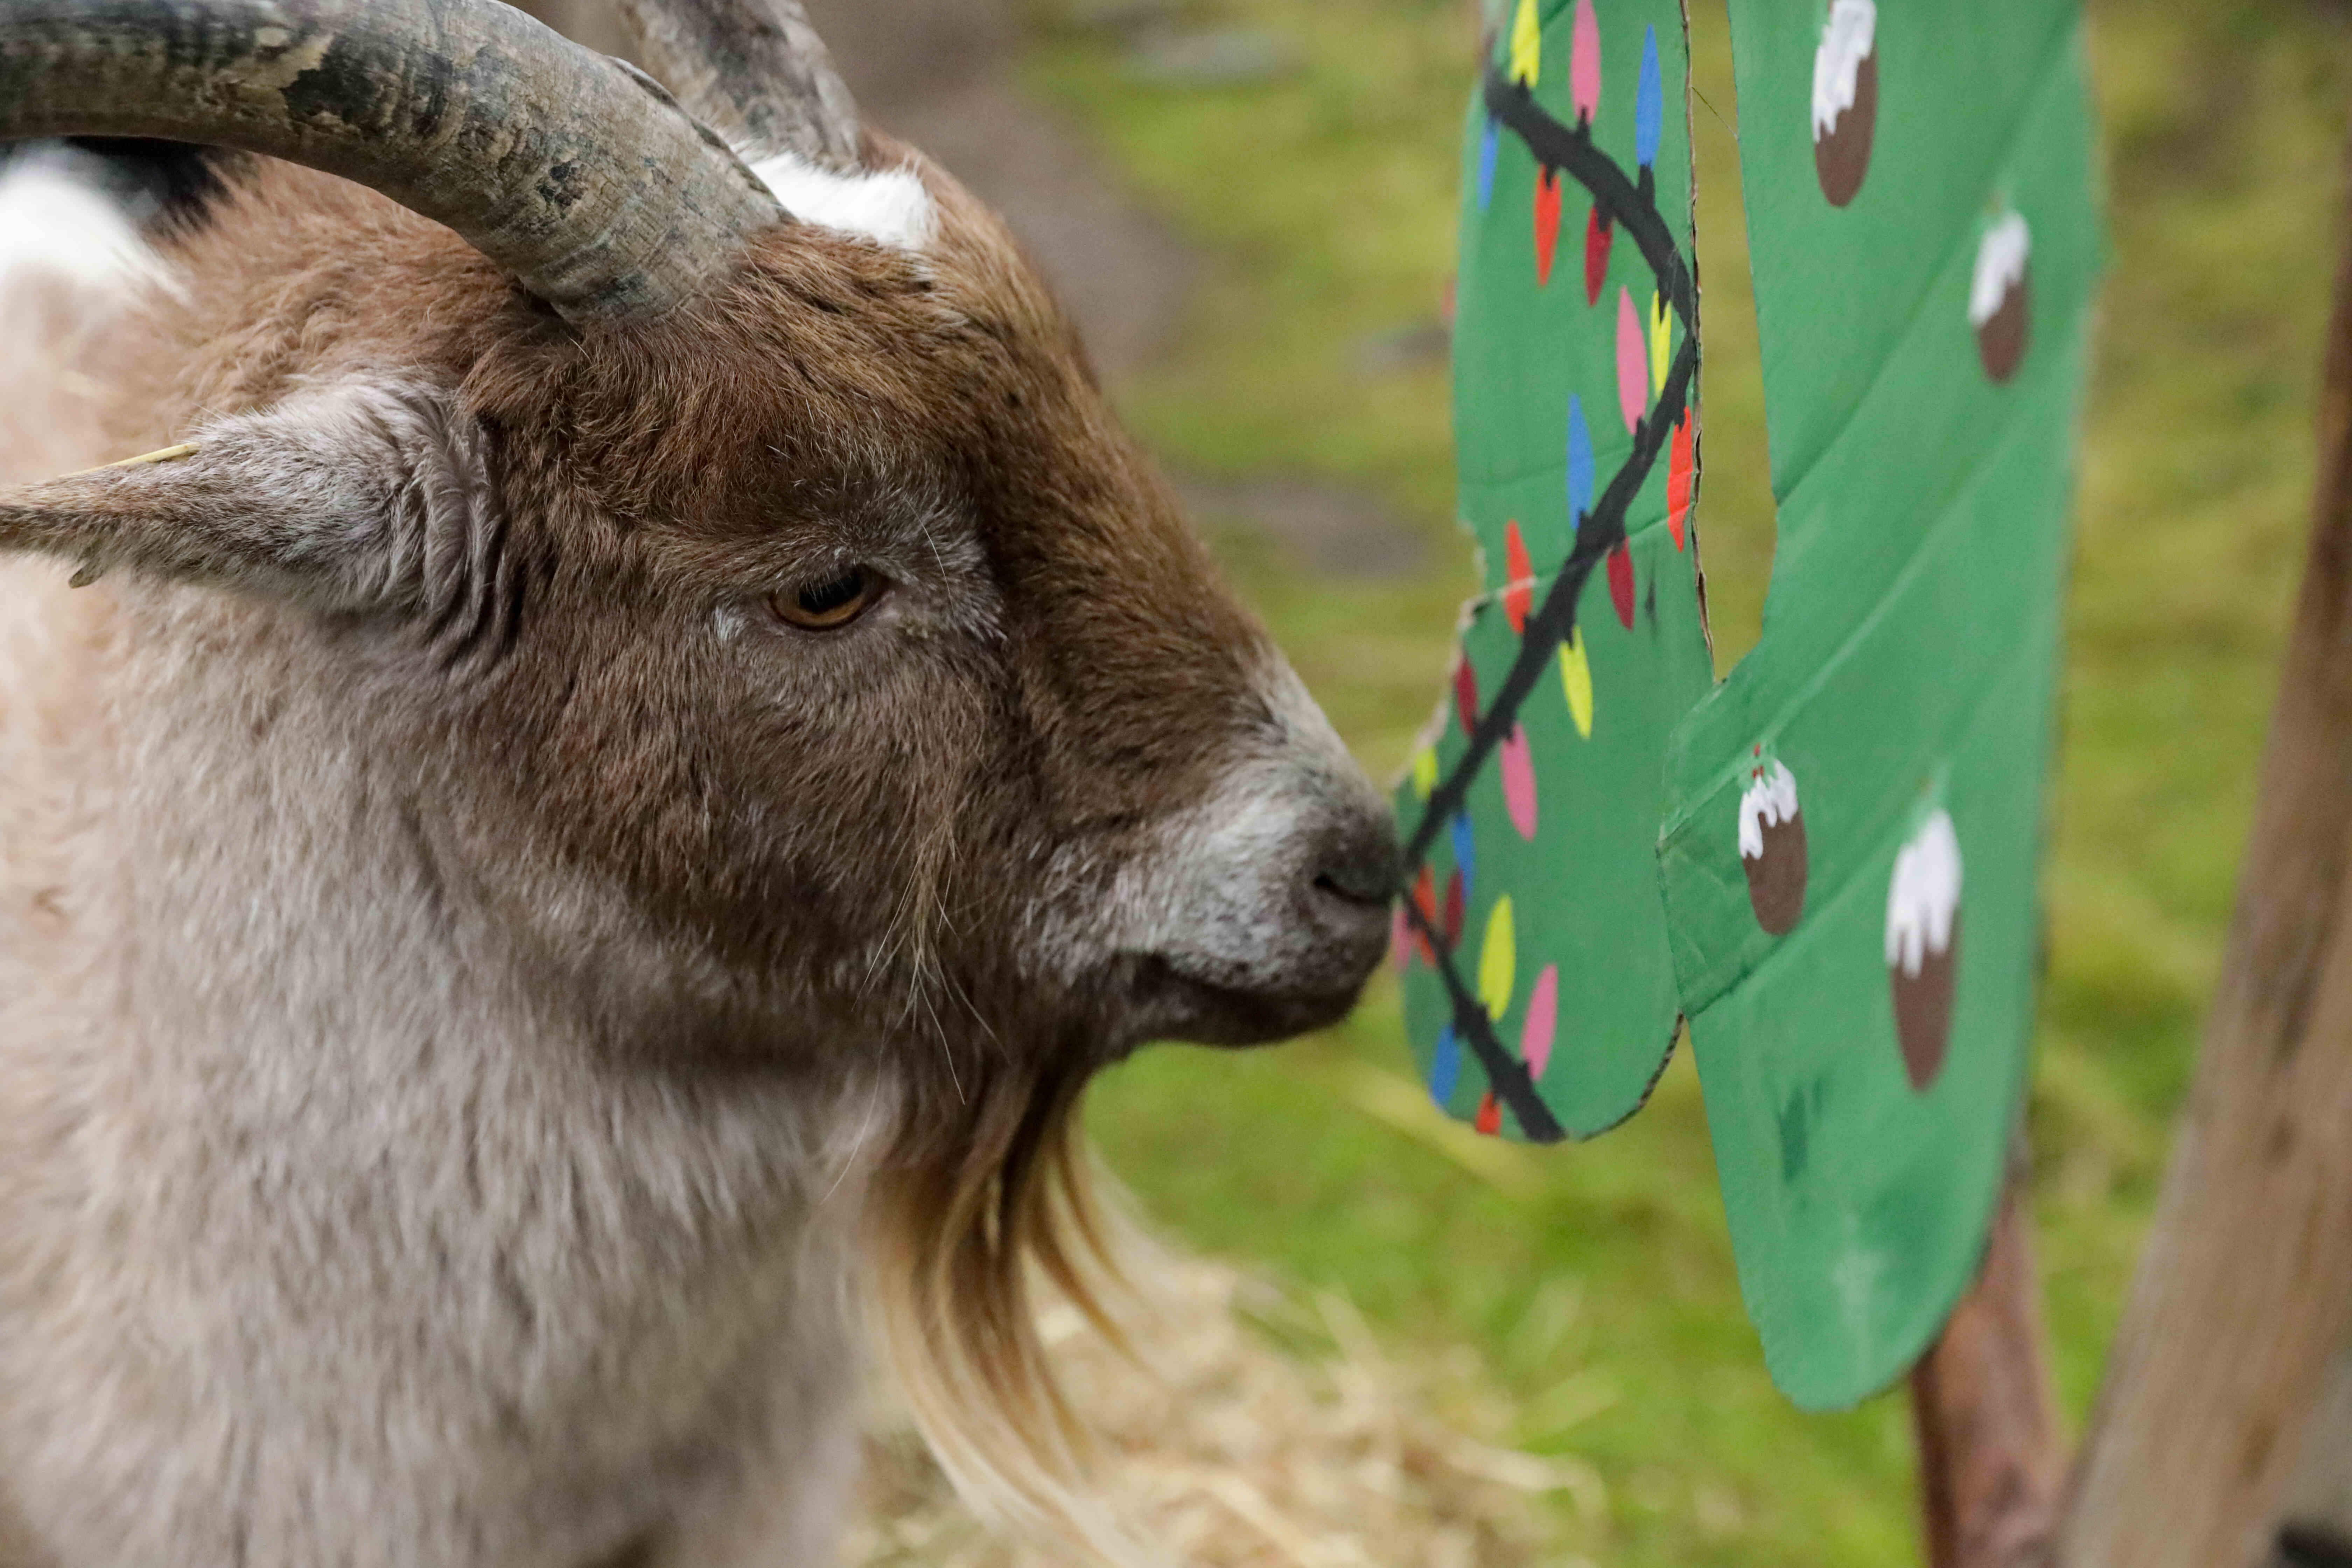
1776,879
2001,340
1923,1010
1841,153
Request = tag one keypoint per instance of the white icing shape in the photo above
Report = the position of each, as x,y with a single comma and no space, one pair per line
888,206
1847,39
1924,894
2001,266
1767,801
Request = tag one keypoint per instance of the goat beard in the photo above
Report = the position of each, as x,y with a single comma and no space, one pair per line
981,1195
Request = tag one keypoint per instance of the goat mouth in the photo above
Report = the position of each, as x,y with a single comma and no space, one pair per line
1164,1003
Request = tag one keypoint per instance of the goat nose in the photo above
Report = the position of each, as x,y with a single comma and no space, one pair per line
1358,863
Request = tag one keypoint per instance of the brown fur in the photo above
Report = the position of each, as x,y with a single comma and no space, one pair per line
878,892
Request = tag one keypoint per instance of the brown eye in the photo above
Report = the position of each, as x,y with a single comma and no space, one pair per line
831,603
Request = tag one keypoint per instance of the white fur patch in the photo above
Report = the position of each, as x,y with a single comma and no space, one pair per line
888,206
71,263
57,219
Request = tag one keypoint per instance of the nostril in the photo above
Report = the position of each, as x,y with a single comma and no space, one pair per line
1360,866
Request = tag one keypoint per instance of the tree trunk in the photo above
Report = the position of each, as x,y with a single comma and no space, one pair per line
2245,1287
1992,1467
2316,1527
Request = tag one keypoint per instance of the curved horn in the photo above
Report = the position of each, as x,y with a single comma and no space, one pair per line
573,171
753,69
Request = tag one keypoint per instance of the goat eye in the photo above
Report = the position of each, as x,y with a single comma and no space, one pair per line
832,602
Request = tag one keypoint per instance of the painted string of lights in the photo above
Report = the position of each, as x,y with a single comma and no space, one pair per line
1629,202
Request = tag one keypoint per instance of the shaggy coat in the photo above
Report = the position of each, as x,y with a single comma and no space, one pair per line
487,1005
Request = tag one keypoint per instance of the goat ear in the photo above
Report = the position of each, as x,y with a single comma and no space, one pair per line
358,495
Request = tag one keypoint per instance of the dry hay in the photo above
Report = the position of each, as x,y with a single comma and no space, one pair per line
1265,1432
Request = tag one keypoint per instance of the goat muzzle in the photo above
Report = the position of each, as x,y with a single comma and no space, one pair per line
1263,909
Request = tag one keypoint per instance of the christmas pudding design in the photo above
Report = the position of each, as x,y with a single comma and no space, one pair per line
1923,944
1772,847
1998,297
1845,98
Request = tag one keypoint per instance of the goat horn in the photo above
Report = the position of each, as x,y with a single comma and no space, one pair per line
753,69
573,171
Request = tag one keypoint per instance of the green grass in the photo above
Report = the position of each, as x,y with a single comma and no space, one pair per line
1597,1281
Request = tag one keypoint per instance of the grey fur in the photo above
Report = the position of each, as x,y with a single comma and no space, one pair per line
373,493
435,1111
338,1082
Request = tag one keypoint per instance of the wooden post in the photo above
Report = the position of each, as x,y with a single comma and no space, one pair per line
2316,1526
2244,1292
1992,1468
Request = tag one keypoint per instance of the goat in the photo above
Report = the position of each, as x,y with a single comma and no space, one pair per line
643,737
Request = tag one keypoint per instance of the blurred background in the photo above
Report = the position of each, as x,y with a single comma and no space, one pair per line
1250,204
